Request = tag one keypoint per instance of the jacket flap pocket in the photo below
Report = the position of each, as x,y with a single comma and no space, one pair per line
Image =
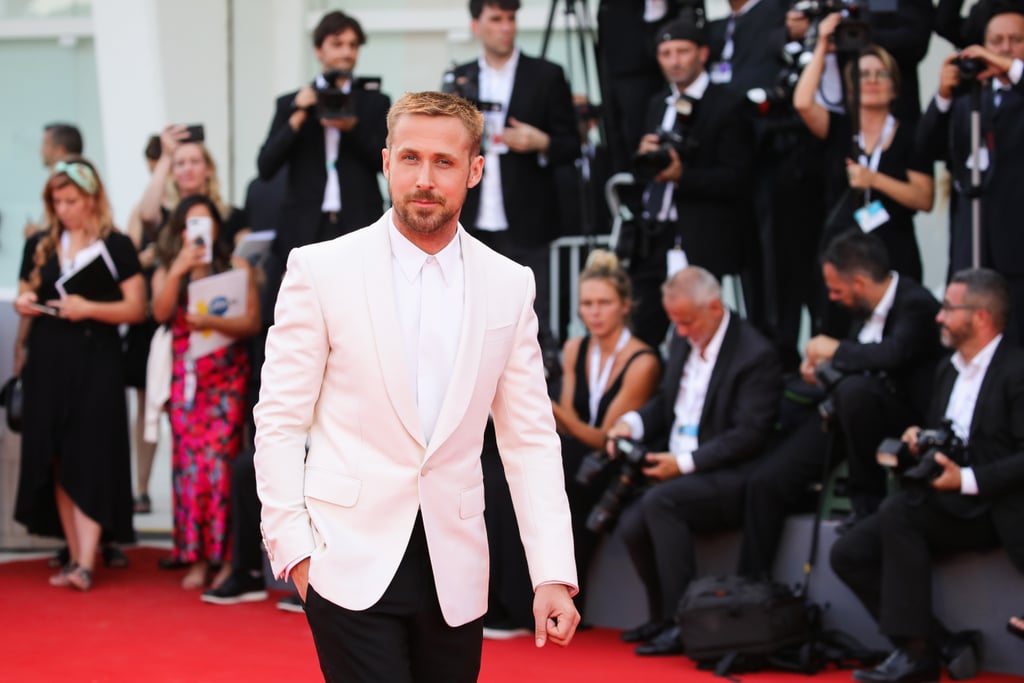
331,487
471,502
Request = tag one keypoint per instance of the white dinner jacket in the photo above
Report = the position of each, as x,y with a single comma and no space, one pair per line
336,370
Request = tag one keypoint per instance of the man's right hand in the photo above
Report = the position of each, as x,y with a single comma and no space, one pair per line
300,577
949,76
618,430
304,100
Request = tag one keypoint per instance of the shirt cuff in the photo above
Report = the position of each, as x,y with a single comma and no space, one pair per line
1015,72
942,104
685,462
968,482
635,423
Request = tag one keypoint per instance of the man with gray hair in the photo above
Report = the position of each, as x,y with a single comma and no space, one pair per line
710,418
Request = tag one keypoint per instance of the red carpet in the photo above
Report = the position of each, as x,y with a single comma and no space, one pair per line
138,624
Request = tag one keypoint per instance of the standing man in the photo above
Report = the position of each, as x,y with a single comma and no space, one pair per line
974,502
381,524
60,141
530,128
332,162
946,130
697,207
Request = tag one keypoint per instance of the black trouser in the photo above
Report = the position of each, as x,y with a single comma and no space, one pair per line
886,560
780,486
246,546
403,638
658,529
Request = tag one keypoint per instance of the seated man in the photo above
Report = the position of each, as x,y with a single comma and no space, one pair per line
884,369
714,409
973,504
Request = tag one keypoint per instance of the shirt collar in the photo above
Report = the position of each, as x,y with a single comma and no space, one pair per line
710,352
881,312
695,90
411,258
507,67
981,360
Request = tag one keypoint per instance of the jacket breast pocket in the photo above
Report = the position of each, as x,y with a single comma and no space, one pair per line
331,487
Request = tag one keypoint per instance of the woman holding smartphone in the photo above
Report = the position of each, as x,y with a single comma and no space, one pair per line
75,477
208,392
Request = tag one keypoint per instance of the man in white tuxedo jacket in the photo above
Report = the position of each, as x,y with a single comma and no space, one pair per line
390,347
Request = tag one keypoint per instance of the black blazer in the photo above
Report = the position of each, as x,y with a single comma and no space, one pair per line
758,39
541,98
713,196
302,151
910,347
995,446
948,137
741,403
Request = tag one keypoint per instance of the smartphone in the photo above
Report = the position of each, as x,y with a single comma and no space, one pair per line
43,308
199,231
195,133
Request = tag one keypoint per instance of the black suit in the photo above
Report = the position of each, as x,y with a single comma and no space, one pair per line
887,560
712,200
868,408
739,409
948,137
302,151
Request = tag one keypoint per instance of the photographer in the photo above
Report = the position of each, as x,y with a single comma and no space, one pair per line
973,504
333,157
945,131
709,420
696,161
880,375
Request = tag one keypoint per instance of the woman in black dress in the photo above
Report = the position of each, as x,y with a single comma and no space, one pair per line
606,373
75,477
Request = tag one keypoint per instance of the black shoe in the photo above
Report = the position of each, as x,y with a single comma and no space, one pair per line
292,603
172,562
900,667
644,632
240,586
961,654
665,643
61,559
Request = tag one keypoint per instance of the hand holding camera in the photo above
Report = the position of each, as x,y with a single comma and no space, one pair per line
925,456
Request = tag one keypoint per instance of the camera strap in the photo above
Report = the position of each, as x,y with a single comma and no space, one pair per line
872,162
599,374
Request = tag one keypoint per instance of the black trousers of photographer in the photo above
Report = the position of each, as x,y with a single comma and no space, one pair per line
867,410
658,529
887,559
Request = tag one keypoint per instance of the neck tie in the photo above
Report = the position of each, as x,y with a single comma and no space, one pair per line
332,190
431,373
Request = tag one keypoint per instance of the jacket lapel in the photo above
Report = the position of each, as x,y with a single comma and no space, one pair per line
387,332
471,340
722,364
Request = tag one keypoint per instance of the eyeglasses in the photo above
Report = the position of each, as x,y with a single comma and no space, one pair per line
875,76
947,307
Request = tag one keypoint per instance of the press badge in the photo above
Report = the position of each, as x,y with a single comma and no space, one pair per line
675,261
871,216
686,439
721,72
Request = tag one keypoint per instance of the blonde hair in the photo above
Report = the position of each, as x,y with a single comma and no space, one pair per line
431,103
212,184
604,265
101,220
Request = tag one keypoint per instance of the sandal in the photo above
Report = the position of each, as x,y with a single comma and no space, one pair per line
114,557
1016,626
80,578
61,578
143,506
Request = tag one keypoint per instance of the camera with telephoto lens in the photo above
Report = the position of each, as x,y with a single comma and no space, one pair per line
333,102
895,454
647,165
632,458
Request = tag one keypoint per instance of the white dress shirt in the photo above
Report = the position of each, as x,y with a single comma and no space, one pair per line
963,399
332,141
668,121
874,326
445,322
496,89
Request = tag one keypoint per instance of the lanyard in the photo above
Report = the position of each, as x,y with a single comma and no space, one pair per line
876,154
599,375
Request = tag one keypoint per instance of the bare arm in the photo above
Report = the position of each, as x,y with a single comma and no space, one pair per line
916,192
813,114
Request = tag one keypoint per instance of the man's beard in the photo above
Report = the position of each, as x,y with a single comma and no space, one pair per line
424,221
953,340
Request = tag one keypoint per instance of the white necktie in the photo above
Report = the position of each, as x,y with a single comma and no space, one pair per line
332,190
431,373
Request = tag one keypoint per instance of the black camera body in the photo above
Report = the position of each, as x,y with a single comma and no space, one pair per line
632,459
969,68
828,379
895,454
332,102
